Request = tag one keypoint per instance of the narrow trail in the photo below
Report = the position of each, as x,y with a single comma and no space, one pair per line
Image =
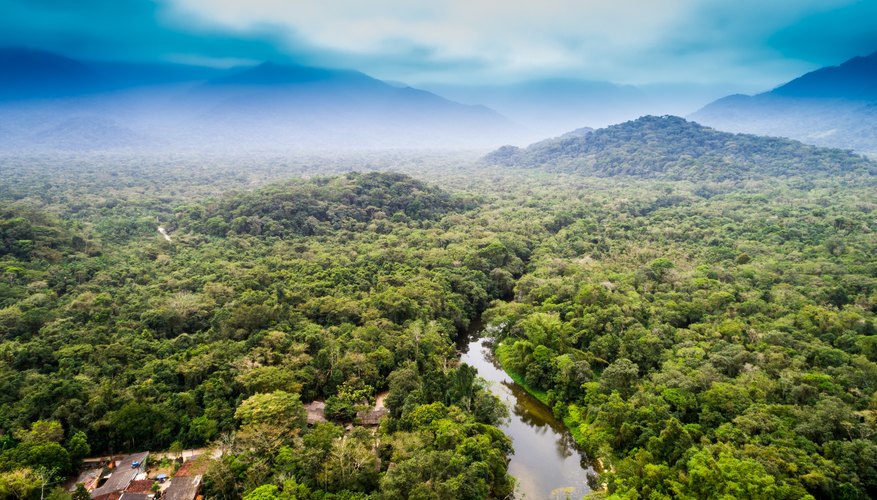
163,232
379,400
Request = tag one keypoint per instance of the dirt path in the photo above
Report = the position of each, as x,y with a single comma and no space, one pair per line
379,400
163,232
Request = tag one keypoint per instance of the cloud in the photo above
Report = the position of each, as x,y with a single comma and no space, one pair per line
830,36
124,29
510,39
754,43
630,41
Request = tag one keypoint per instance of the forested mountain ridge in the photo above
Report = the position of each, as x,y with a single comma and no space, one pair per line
670,147
325,205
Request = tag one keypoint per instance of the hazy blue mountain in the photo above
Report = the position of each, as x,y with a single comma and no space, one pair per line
27,73
272,74
269,106
122,75
834,106
552,106
855,79
32,74
673,148
88,133
325,108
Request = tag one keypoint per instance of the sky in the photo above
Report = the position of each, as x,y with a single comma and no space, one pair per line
746,43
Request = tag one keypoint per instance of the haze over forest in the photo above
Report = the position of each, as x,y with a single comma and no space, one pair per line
438,250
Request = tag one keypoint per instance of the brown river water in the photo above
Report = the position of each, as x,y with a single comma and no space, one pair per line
546,462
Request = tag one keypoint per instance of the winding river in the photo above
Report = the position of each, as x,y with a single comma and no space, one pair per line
546,462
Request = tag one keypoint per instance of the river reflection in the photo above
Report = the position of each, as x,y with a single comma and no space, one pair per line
546,462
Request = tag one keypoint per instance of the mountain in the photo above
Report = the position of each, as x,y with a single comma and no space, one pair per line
552,106
855,79
265,107
833,106
27,73
670,147
270,74
326,205
325,108
88,133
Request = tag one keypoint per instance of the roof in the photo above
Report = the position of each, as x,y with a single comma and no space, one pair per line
372,417
140,486
122,475
113,495
182,488
88,478
136,496
316,411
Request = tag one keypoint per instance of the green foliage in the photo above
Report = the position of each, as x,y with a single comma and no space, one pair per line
19,484
80,493
718,345
669,147
719,333
265,492
78,446
350,203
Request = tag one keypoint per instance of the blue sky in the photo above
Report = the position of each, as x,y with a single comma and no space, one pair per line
749,43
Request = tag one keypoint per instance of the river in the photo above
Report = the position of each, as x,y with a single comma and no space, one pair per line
546,462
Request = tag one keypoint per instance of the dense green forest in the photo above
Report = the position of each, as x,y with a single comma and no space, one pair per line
221,335
706,333
669,147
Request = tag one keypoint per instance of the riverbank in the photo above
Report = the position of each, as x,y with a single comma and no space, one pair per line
546,461
501,351
571,422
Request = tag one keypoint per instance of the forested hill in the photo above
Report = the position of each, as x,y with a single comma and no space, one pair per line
328,289
29,234
669,147
323,205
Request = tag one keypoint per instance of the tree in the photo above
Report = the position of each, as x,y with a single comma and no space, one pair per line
726,476
19,483
264,492
270,420
177,449
38,458
620,376
351,464
78,446
278,407
80,493
42,431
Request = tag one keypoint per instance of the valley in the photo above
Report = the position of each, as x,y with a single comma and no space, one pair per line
735,312
264,250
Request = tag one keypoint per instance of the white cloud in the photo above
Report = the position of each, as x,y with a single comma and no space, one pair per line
621,40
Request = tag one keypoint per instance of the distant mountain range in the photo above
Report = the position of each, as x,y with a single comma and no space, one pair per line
551,106
669,147
834,106
52,102
49,101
